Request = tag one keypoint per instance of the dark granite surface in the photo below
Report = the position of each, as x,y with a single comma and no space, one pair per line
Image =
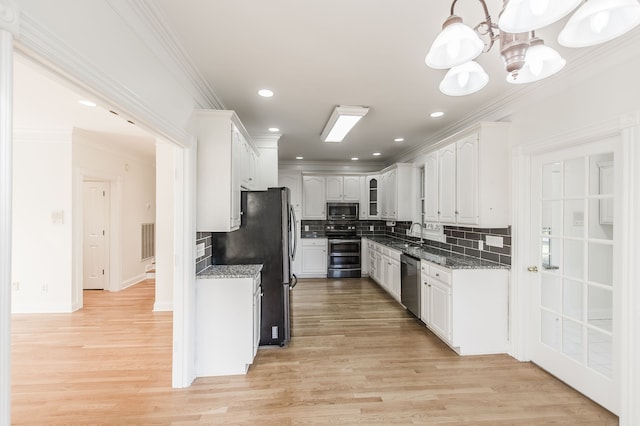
440,257
230,271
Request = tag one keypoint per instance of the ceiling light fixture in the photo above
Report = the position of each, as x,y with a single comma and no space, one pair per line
376,154
87,103
299,158
274,129
525,56
436,114
398,140
341,121
354,158
265,93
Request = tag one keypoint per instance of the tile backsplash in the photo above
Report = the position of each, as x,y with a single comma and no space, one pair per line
458,239
203,261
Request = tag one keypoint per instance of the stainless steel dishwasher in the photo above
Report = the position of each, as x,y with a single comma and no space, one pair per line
410,284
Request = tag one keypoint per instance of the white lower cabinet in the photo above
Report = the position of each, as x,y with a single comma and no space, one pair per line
227,327
314,258
384,267
466,308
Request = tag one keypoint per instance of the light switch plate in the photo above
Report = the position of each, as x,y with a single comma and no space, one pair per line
306,227
494,241
199,250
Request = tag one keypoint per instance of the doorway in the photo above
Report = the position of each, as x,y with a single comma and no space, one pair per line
575,309
95,231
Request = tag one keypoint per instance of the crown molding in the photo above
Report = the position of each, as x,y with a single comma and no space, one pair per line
151,25
335,167
37,42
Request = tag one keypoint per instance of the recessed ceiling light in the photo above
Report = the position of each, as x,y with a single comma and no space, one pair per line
436,114
274,129
265,93
87,103
398,140
299,158
375,154
354,158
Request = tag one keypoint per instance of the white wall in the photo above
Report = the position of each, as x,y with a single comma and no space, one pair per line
165,188
135,201
42,223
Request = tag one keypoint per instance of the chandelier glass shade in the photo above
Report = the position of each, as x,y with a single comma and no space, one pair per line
525,56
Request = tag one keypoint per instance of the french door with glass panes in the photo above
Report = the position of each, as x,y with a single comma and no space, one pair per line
575,309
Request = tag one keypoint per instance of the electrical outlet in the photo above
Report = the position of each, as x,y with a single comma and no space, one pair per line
494,241
480,245
45,288
306,227
15,286
274,332
371,228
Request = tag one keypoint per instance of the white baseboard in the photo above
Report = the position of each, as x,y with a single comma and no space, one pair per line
132,281
163,307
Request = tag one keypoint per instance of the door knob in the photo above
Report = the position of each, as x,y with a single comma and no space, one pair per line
532,269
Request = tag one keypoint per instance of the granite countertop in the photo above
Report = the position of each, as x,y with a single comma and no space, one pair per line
440,257
230,271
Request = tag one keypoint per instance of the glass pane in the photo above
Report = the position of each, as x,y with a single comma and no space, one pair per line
551,182
572,299
572,339
551,252
573,258
601,174
600,302
574,218
574,184
550,329
601,263
600,352
551,217
601,219
551,292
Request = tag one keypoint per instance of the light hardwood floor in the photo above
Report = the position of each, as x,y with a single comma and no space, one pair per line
356,358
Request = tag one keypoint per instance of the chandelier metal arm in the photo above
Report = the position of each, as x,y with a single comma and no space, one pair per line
484,28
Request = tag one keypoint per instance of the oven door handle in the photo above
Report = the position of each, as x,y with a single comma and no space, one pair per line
342,240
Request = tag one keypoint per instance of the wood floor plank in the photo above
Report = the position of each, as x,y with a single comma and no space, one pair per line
356,358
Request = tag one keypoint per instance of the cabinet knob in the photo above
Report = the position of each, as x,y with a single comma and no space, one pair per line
437,275
457,212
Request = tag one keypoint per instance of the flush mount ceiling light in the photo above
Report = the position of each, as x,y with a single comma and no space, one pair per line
436,114
87,103
341,121
525,56
376,154
274,129
398,140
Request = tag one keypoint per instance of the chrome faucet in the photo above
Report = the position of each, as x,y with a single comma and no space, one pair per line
421,231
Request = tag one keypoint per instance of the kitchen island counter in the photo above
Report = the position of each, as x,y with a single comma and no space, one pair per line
230,271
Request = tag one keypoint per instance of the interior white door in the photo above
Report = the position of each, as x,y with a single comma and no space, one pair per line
95,220
575,308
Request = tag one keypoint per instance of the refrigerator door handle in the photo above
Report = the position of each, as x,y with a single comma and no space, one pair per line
294,225
294,281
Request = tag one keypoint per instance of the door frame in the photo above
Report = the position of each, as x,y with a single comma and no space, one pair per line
627,128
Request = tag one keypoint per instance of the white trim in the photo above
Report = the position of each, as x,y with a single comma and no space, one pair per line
6,179
132,281
163,307
630,327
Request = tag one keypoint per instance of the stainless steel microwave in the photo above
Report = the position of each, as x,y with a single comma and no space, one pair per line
342,211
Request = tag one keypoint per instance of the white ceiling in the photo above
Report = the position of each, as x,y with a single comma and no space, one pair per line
314,55
318,54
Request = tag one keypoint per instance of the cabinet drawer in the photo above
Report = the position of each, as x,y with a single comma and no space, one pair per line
314,242
395,255
440,273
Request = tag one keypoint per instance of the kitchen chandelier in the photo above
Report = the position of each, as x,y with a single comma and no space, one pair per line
525,56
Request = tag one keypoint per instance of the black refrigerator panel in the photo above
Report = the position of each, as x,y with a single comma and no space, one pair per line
263,238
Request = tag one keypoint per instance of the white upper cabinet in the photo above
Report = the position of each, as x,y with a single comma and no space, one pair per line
293,181
396,189
219,169
343,188
371,202
467,179
313,198
447,180
431,187
249,159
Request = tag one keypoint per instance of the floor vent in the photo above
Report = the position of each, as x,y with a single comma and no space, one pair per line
148,241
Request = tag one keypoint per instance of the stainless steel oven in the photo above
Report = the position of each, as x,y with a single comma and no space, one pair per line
343,254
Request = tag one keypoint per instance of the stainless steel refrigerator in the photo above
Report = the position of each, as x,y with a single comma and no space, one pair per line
267,235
